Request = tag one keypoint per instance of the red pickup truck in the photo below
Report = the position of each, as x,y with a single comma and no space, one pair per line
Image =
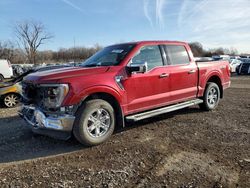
122,82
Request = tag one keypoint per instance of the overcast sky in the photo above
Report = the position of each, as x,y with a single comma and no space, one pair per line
214,23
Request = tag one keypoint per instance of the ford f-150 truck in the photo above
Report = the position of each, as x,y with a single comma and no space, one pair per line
120,83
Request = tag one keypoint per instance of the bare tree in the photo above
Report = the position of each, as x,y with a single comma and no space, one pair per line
31,35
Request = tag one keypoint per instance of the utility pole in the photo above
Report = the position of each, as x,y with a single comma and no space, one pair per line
74,50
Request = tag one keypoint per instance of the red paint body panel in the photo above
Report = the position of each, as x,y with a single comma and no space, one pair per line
141,91
214,68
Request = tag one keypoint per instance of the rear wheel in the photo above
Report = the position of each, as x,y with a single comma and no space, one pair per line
11,100
95,122
211,97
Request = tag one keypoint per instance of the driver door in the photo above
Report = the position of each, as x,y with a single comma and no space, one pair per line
150,89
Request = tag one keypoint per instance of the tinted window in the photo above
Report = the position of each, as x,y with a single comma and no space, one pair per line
177,54
149,54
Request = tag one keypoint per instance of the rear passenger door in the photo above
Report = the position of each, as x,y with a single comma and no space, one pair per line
183,73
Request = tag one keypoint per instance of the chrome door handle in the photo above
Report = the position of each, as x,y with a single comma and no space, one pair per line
164,75
192,71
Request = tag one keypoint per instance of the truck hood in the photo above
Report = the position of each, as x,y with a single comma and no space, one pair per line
63,73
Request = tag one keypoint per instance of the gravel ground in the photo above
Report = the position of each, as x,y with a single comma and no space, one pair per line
187,148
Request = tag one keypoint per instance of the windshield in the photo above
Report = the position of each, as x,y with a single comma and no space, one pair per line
109,56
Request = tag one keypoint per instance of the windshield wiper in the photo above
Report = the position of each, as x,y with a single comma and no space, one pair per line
99,64
91,65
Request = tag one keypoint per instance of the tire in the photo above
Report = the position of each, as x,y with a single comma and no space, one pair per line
1,78
95,122
211,97
11,100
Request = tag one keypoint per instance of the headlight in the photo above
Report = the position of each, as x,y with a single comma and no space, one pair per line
54,94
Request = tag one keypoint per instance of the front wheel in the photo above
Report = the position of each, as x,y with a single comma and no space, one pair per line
95,122
211,97
11,100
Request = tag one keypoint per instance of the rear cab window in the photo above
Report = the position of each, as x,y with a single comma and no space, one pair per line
177,54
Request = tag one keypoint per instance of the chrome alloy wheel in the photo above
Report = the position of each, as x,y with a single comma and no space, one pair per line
98,123
212,97
11,100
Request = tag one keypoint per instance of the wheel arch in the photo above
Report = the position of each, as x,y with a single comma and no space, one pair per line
113,101
216,79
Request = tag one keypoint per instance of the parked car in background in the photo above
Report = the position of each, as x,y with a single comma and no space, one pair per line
221,57
244,56
17,70
244,67
233,64
10,91
6,70
235,57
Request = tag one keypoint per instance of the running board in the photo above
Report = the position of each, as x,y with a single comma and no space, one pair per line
148,114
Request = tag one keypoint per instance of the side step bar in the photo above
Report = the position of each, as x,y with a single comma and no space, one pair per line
148,114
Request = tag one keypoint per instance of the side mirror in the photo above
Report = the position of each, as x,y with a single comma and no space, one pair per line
137,67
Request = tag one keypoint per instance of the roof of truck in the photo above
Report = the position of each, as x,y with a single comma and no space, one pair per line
151,42
159,41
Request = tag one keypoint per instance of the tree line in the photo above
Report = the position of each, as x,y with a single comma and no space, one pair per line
199,51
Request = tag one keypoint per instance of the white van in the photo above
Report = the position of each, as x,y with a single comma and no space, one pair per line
6,70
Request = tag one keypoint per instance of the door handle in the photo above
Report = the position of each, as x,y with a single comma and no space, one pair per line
164,75
223,67
192,71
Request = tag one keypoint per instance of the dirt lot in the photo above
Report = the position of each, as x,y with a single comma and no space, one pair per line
188,148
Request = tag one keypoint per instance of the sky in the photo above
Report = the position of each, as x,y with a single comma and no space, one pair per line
214,23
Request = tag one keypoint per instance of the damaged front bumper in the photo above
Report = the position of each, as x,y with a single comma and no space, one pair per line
55,125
